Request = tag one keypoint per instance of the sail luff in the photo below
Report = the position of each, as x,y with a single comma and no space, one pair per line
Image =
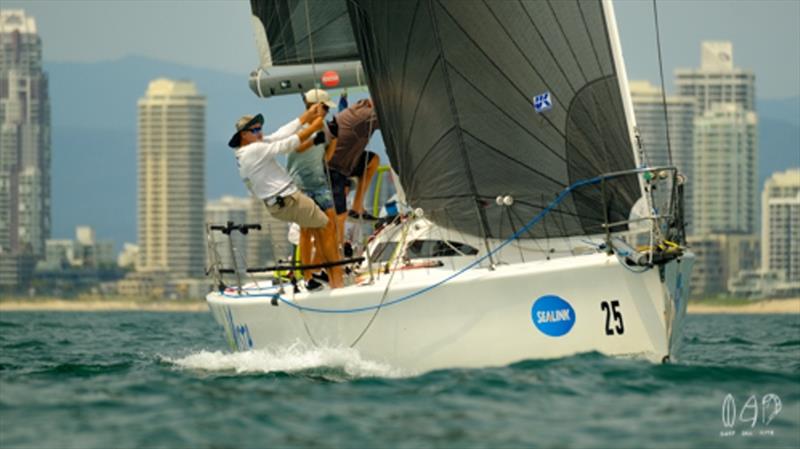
622,76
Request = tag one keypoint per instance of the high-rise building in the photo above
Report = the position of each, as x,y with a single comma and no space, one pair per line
717,80
24,148
219,212
171,198
719,259
780,229
648,106
725,170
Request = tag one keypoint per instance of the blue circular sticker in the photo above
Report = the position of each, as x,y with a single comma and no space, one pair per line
552,315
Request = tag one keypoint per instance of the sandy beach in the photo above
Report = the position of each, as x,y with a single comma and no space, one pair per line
63,305
790,305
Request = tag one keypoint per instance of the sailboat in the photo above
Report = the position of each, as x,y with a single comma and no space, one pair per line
537,230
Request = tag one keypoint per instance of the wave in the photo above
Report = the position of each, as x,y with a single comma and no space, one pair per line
28,344
721,341
85,369
331,363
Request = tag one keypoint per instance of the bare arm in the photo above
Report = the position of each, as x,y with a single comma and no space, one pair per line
306,134
305,145
311,114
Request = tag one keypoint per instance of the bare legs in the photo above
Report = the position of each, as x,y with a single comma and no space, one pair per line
325,243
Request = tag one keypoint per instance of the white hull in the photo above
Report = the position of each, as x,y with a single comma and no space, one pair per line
479,318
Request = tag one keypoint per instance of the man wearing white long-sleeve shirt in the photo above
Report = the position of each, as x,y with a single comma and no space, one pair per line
270,182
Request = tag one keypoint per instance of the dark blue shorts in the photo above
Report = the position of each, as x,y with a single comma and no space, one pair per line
339,184
340,181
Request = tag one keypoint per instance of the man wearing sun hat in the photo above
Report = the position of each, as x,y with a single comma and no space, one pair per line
270,182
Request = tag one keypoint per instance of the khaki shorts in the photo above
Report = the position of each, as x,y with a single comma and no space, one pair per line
300,209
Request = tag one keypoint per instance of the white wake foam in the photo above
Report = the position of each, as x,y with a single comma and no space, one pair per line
292,359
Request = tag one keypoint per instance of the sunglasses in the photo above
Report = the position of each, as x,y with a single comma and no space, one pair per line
255,130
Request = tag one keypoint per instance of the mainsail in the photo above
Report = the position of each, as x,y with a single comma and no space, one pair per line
480,100
303,44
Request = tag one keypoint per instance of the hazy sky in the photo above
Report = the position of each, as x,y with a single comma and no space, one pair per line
218,34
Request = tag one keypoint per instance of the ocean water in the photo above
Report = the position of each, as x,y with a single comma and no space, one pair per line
135,379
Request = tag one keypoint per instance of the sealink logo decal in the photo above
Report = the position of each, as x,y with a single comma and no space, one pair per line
553,315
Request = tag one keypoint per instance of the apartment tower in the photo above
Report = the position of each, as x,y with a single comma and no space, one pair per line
24,149
171,197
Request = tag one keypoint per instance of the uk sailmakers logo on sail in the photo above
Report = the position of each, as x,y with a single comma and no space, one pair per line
552,315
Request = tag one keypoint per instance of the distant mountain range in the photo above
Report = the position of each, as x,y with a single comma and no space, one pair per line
94,137
94,116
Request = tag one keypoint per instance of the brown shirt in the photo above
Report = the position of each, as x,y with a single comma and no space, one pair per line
356,125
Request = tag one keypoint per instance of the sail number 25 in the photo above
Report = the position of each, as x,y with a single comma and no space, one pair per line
612,310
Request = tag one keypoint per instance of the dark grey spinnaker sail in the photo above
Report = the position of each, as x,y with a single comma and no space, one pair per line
304,44
485,99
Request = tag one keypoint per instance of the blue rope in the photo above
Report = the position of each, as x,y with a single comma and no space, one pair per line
475,263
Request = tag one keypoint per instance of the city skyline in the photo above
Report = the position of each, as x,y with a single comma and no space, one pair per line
754,26
234,39
686,85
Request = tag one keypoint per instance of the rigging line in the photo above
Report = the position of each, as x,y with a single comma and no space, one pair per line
536,241
398,258
311,45
661,74
521,220
305,326
511,224
547,235
560,225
